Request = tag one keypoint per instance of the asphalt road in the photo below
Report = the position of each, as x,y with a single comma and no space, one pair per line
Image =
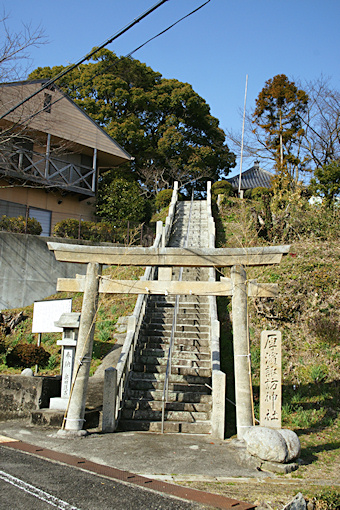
31,483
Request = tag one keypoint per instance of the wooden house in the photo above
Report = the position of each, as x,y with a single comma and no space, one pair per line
51,153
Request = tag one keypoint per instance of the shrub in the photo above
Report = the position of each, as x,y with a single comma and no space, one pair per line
89,230
257,193
2,342
18,225
163,199
103,231
222,188
120,198
27,355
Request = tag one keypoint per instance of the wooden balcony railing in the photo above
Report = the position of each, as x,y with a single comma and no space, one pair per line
47,170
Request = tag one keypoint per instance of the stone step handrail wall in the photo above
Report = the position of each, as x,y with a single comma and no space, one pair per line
218,377
136,319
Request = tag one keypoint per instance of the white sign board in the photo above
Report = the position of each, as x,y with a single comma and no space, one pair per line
46,313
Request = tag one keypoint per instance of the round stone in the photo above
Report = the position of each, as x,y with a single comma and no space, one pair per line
292,442
267,444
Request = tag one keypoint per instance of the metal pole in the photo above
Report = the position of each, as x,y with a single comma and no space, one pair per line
48,151
94,167
244,115
38,345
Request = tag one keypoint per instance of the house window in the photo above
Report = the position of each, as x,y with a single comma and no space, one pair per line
44,218
47,103
12,209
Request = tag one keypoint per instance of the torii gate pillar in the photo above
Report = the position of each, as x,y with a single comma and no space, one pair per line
243,394
76,407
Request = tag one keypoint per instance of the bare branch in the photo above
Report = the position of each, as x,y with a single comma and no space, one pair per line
14,55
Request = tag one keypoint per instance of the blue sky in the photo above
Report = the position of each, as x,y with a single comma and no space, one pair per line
213,50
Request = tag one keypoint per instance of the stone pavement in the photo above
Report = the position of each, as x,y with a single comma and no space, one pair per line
171,457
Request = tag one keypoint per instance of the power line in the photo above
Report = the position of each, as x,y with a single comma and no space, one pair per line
169,27
87,57
111,66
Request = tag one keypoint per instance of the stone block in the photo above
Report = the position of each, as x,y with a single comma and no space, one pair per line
19,395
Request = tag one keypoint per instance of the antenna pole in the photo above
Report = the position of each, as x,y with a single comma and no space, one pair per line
244,115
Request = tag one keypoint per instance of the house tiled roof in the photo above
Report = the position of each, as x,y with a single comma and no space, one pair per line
254,177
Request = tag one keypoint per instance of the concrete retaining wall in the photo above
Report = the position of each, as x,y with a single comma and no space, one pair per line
19,395
29,271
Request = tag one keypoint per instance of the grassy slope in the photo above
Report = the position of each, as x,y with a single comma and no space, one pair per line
307,314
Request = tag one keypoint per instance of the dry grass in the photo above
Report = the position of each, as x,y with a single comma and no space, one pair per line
307,313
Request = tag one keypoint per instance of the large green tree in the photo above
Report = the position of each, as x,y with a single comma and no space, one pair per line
119,198
163,123
277,120
326,183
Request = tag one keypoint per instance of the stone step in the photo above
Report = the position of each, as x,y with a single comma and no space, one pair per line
184,330
179,354
151,332
192,397
151,415
52,418
197,230
140,368
177,360
170,427
181,344
167,317
158,385
173,378
185,303
185,315
195,222
156,405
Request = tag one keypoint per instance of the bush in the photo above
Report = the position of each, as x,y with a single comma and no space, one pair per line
67,228
27,355
257,193
101,232
120,198
163,199
89,230
222,188
18,225
2,342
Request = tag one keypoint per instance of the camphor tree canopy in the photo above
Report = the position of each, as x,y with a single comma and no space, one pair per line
163,123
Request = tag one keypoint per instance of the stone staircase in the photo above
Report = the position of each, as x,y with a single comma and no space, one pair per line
188,409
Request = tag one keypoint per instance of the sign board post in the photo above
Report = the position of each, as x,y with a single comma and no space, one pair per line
45,313
270,380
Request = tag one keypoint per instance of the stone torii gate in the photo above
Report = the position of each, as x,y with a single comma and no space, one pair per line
236,286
